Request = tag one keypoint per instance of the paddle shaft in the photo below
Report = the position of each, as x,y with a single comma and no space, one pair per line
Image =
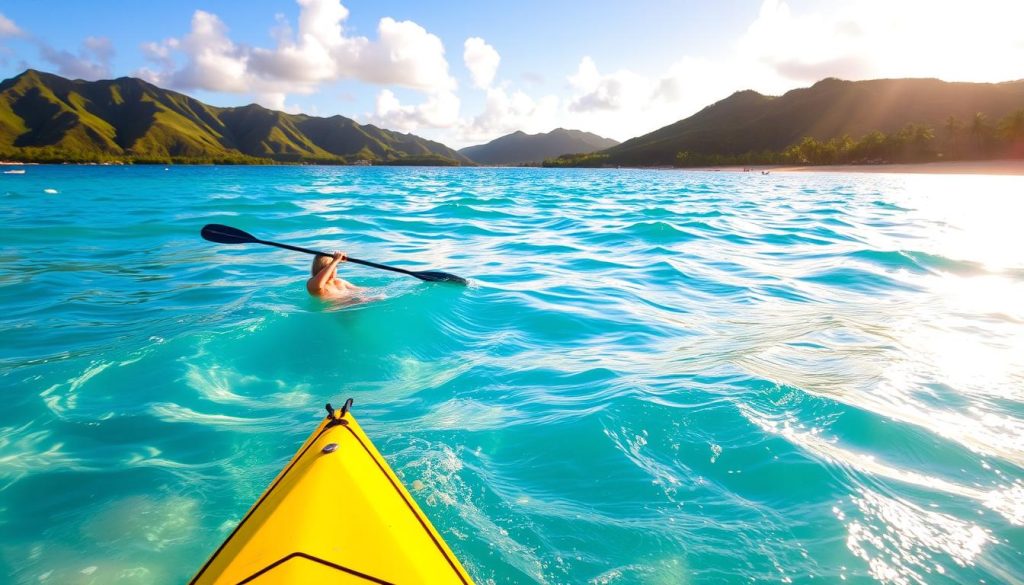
225,234
347,259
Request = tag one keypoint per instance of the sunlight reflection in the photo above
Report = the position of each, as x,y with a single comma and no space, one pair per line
972,216
898,540
1007,501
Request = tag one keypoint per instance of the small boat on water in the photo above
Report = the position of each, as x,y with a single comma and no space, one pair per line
15,172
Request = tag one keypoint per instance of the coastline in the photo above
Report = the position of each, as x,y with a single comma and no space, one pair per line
1009,167
970,167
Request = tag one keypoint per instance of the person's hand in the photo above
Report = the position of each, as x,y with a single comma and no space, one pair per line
340,256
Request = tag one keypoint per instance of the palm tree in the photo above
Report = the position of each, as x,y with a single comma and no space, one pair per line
953,127
923,134
918,137
1012,126
842,147
872,147
980,130
1012,130
811,151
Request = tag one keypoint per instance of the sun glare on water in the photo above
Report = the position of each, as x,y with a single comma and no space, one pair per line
974,216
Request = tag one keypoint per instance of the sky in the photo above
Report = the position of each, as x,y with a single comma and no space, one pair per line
464,73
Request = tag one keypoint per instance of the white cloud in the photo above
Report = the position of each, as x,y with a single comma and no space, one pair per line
880,38
506,112
621,90
100,47
315,55
321,20
406,55
214,62
8,28
277,101
784,46
505,109
624,104
482,61
439,110
92,62
319,51
776,36
692,83
160,53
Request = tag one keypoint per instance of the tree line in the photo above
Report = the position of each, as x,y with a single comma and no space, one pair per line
59,155
977,138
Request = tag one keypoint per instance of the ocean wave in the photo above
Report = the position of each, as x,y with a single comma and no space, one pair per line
653,376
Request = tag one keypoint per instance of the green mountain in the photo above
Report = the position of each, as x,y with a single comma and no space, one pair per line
750,122
520,148
48,117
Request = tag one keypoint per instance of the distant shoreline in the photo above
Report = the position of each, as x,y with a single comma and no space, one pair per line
1010,167
969,167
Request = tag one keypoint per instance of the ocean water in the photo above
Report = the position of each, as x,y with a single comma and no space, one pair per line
655,377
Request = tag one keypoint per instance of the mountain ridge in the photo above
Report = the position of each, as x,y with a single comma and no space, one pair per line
129,118
748,121
48,118
522,148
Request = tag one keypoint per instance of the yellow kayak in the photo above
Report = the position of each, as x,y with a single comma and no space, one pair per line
337,513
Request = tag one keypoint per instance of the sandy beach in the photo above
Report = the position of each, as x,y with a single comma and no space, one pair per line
977,167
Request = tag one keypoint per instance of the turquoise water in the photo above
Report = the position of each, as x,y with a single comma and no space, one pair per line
655,377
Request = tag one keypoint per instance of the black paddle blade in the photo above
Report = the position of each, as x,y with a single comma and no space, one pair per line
431,276
224,234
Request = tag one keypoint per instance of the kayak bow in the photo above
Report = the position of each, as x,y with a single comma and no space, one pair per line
337,513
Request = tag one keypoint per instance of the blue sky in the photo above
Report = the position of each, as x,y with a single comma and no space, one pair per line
467,72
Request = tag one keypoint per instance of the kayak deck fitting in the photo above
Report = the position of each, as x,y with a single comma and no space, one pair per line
337,513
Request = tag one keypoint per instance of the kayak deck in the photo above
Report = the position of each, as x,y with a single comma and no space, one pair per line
337,513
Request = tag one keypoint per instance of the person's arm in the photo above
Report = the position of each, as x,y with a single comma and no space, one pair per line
319,282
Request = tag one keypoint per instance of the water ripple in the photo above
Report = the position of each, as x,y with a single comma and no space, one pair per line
654,377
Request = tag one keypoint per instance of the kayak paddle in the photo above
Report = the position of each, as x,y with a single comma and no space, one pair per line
223,234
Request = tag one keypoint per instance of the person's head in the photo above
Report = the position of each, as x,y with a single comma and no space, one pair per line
320,262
